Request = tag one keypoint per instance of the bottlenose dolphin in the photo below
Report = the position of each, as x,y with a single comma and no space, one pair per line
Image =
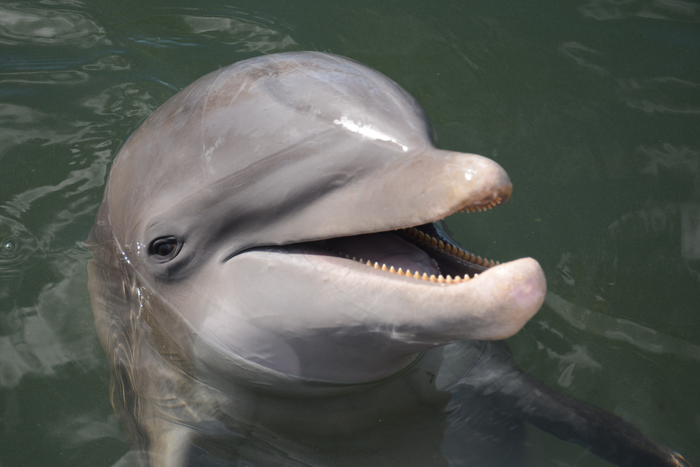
272,285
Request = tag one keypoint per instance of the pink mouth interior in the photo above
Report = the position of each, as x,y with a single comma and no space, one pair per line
385,248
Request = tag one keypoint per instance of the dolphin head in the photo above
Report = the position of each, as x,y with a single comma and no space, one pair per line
268,216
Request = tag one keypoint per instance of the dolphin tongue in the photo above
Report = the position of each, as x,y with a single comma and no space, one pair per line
384,248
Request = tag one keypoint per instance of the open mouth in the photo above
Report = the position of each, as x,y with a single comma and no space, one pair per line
409,286
424,252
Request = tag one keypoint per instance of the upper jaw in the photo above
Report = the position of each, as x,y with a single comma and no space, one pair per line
366,190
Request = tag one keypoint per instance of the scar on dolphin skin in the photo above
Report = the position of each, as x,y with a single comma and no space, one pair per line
258,306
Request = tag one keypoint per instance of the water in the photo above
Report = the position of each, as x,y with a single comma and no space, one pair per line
593,107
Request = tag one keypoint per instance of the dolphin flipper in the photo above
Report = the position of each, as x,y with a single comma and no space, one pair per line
495,376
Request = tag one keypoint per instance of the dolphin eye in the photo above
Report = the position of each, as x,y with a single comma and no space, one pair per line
164,248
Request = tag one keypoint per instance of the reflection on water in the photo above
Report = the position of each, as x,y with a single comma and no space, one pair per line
647,339
19,24
592,109
690,232
122,100
17,246
247,36
111,63
665,10
45,77
582,56
54,331
679,96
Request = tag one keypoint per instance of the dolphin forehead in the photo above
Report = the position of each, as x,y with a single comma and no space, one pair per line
251,120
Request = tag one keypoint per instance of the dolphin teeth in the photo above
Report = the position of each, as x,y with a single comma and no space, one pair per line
438,244
447,247
484,207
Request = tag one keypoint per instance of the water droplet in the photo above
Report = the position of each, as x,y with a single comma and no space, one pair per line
18,247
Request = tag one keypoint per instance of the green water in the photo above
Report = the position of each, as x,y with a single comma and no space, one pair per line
593,107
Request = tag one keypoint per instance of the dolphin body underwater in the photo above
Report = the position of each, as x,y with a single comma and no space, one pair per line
272,286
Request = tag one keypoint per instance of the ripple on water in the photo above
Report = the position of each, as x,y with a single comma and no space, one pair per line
245,34
17,247
19,24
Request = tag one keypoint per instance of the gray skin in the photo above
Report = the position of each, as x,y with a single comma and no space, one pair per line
234,334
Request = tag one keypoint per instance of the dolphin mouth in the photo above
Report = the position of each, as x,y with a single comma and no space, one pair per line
378,296
423,252
403,238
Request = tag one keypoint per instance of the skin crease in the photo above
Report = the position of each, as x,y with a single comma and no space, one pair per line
248,343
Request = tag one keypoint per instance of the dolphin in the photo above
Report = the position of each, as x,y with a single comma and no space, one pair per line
273,286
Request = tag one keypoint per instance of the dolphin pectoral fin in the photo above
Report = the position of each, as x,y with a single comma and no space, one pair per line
516,392
604,434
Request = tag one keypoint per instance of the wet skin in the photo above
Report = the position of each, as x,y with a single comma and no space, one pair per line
271,284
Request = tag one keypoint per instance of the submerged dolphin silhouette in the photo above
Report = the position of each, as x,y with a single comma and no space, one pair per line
240,331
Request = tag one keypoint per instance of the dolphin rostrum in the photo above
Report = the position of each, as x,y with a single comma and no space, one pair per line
272,285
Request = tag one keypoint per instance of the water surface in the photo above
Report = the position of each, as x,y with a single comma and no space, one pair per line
592,106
